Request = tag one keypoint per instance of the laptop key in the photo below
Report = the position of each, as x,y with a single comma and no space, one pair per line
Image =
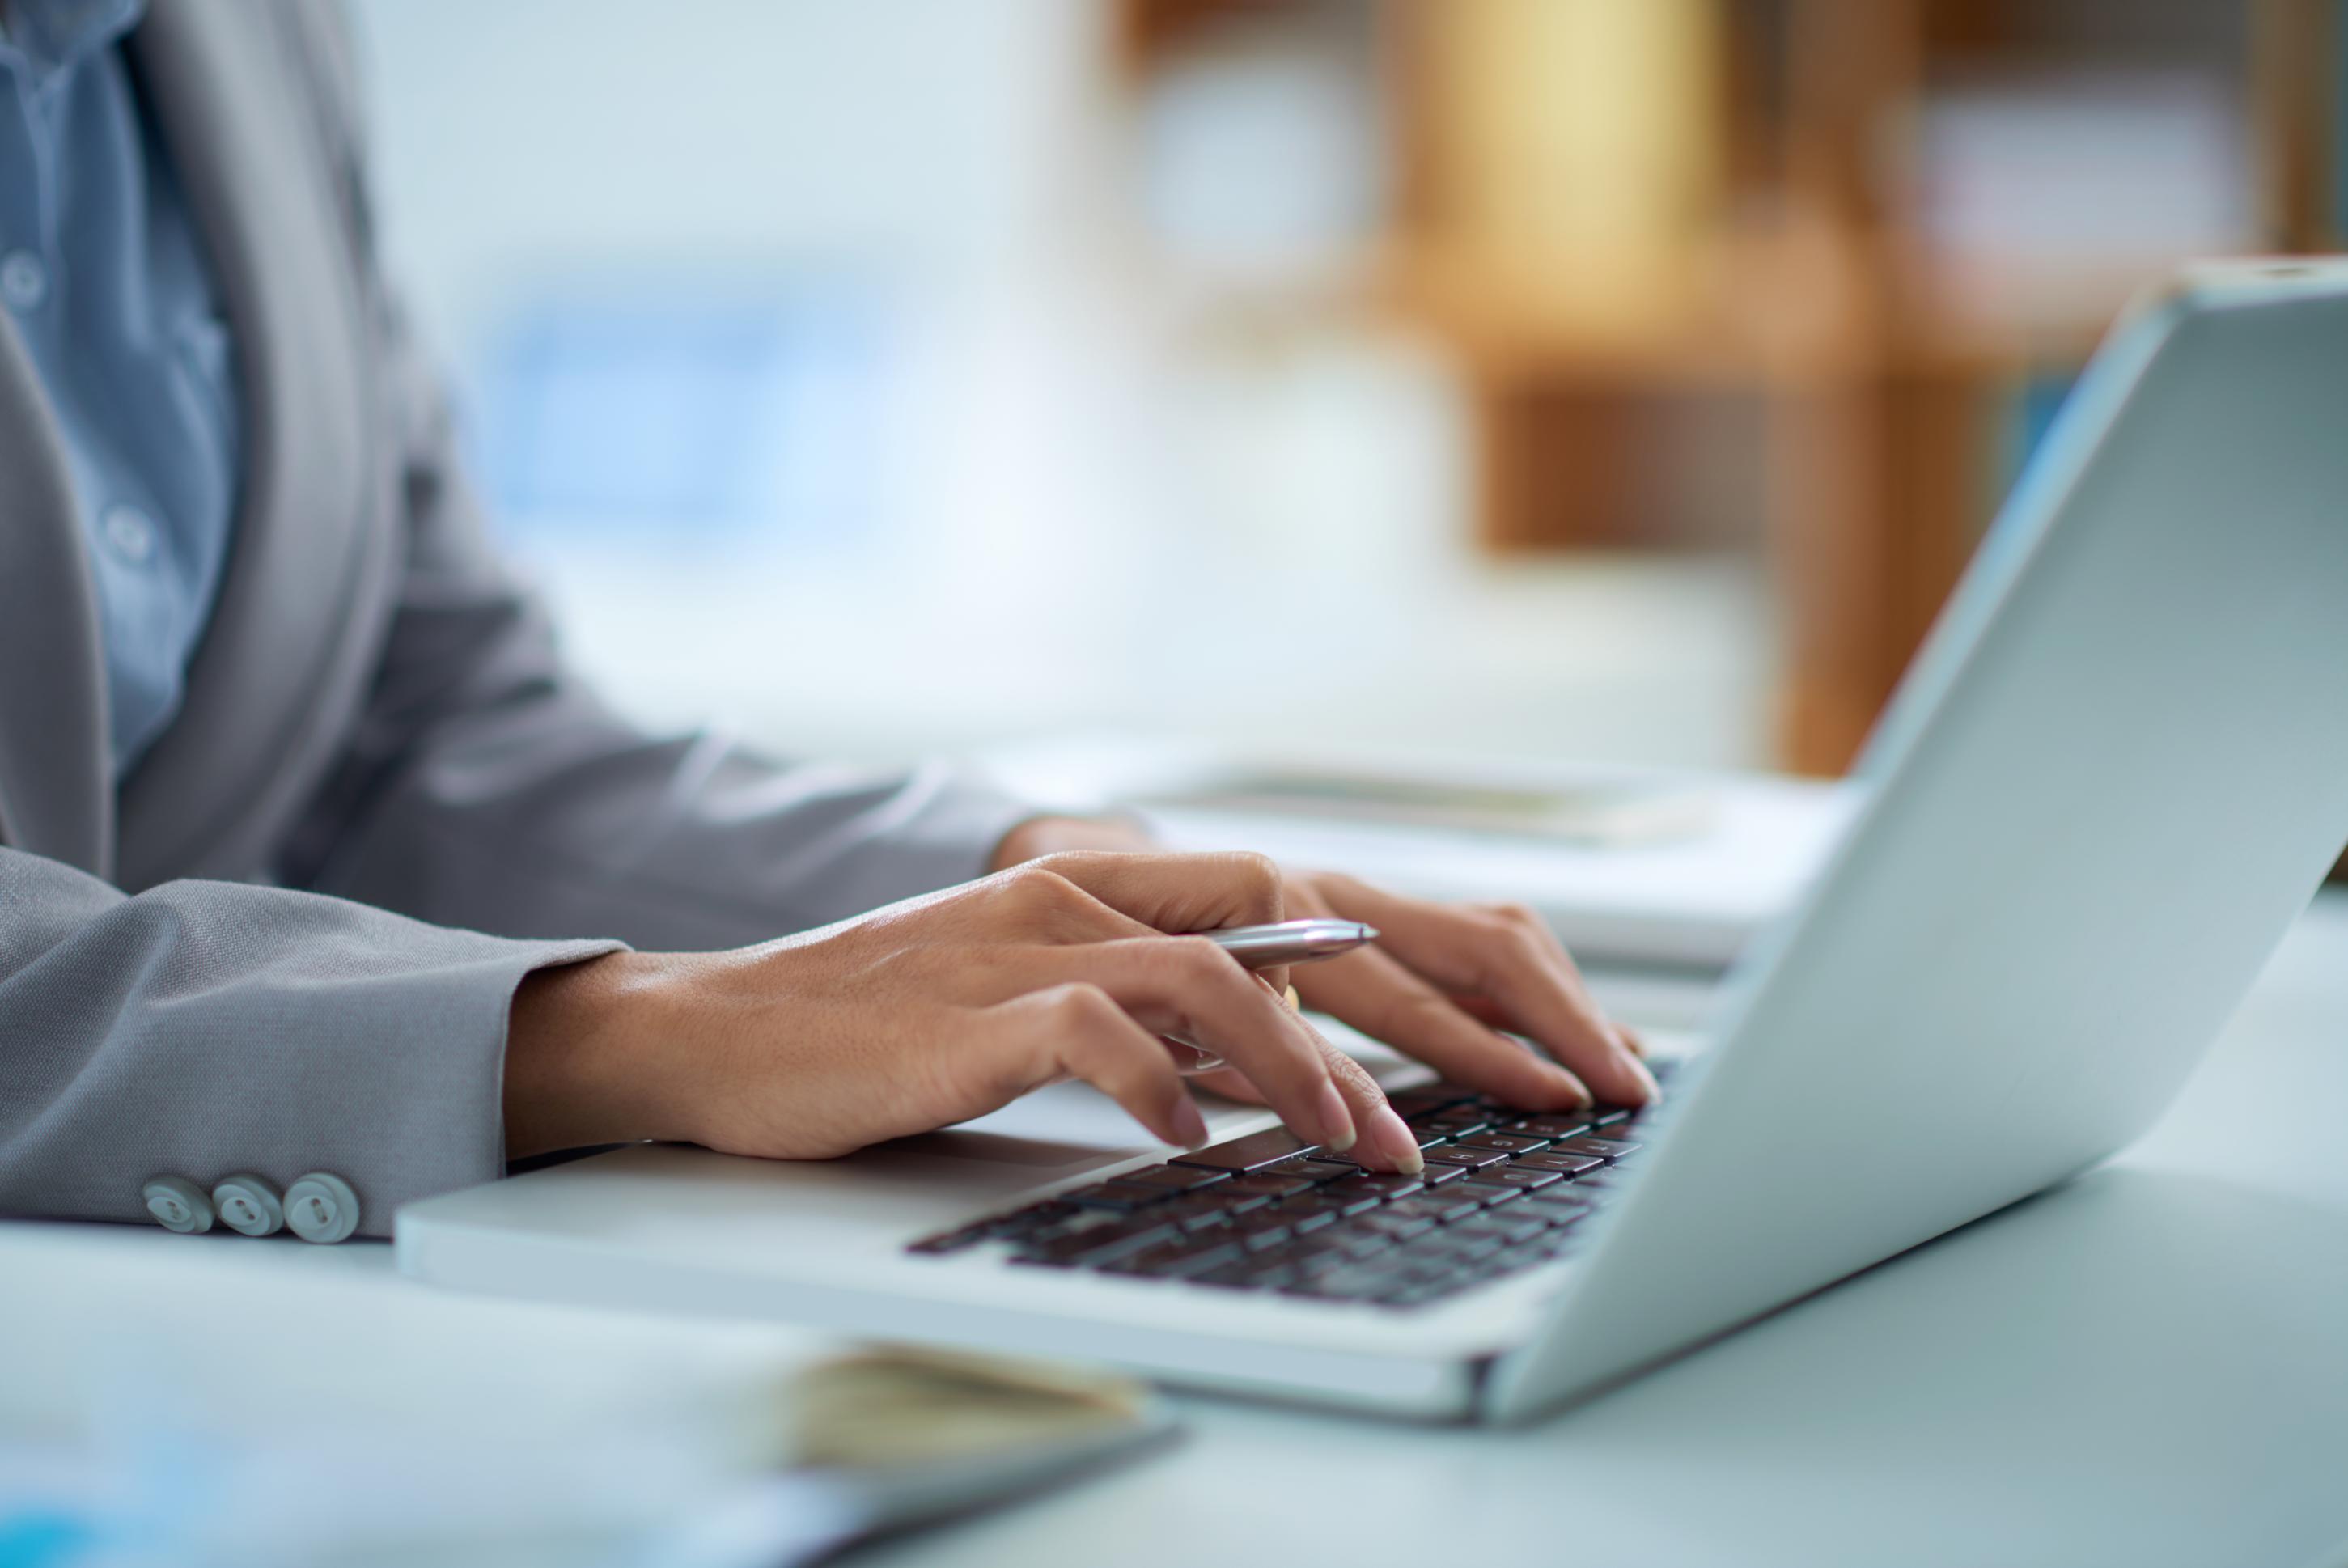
1124,1196
1260,1233
1198,1212
1563,1164
1570,1125
1504,1142
1562,1200
1512,1228
1394,1226
1441,1208
1603,1148
1517,1176
1336,1204
1097,1244
1438,1173
1485,1194
1186,1259
1312,1169
1176,1178
1263,1187
1380,1186
1455,1246
1465,1157
1253,1153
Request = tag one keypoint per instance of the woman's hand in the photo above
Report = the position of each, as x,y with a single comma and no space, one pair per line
1441,983
935,1011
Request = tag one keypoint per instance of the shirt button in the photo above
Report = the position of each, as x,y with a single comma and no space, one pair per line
129,533
24,281
248,1204
321,1207
177,1203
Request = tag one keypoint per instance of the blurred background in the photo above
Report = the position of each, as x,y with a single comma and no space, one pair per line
1623,379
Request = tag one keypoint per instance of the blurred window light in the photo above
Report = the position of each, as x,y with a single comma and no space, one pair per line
1263,149
2085,167
666,409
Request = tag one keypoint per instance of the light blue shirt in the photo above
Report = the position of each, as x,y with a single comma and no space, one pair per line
101,273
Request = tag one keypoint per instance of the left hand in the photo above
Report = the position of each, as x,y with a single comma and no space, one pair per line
1440,984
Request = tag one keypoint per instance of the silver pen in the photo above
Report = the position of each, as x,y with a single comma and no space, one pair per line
1291,941
1261,947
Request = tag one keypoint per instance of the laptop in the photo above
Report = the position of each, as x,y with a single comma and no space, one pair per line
2113,776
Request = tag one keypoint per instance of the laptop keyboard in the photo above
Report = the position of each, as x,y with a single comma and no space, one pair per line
1503,1191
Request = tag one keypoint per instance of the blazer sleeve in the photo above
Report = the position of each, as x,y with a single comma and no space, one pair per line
487,787
201,1029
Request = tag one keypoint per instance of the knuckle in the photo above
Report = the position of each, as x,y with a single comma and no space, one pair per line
1081,1008
1518,916
1035,891
1258,879
1352,1073
1513,939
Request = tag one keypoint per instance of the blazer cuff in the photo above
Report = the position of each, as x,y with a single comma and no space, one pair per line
440,1117
206,1029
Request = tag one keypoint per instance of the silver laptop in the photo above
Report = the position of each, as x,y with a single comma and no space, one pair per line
2113,776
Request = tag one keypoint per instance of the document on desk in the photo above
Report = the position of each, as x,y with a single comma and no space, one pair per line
1638,866
210,1400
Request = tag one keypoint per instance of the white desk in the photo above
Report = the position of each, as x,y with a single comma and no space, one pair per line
2148,1367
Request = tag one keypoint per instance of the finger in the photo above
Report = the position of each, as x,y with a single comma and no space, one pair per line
1628,1037
1508,954
1232,1083
1078,1031
1378,996
1483,1009
1177,893
1035,902
1386,1142
1191,987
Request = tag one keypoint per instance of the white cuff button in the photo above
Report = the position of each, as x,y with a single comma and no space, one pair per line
248,1204
321,1207
178,1205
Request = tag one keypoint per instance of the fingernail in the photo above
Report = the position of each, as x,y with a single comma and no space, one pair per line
1646,1080
1396,1140
1572,1087
1337,1122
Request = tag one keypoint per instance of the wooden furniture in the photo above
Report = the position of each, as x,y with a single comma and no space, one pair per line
1627,220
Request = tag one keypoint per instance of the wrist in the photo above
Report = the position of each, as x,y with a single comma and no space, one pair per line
581,1067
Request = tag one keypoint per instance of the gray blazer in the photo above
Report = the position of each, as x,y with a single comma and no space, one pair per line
289,942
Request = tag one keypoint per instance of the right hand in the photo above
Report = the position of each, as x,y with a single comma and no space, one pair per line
935,1011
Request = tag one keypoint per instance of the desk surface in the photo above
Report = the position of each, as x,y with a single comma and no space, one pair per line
2148,1366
